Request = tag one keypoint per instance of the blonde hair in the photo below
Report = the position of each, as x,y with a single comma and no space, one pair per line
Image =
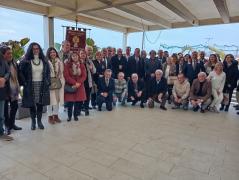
219,65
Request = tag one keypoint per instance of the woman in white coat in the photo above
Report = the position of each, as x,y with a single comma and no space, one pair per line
56,89
217,78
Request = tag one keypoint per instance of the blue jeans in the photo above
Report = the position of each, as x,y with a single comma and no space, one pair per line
2,103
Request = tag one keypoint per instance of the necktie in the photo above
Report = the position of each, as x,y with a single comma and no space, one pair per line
107,82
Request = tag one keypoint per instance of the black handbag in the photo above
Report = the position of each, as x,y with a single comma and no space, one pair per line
69,89
55,83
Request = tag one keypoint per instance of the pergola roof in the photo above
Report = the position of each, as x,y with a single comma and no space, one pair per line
134,15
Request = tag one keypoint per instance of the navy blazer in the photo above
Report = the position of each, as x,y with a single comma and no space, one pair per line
135,67
116,63
191,73
131,87
102,88
156,89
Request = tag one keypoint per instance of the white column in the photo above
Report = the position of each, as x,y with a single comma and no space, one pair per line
125,39
48,28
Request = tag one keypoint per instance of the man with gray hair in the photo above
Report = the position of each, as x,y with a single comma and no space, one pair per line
158,90
200,93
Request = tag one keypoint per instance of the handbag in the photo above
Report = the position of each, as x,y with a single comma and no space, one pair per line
55,83
69,89
171,80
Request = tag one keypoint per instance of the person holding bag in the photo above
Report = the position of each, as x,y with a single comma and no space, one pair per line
57,85
75,75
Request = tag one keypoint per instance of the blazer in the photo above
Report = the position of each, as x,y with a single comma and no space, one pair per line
131,87
206,90
135,67
156,89
151,66
100,69
116,63
108,89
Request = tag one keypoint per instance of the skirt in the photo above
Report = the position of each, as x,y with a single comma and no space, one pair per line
36,91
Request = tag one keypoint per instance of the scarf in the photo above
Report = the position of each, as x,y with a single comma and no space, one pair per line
76,69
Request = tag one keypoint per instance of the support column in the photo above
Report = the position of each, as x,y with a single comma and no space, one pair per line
125,39
48,28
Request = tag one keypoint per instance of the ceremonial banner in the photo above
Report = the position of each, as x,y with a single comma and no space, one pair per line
76,38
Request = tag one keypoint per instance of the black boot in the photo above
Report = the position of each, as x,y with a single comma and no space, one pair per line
222,107
39,122
33,126
227,108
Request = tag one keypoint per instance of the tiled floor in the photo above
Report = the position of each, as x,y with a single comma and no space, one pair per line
127,144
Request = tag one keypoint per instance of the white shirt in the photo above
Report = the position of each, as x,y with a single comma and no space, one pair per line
217,81
37,71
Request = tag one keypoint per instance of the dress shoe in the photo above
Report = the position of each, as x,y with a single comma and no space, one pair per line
195,109
142,105
163,108
69,119
8,131
16,128
221,108
76,118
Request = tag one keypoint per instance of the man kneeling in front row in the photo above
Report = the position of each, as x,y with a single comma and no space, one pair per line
157,90
106,87
181,90
200,93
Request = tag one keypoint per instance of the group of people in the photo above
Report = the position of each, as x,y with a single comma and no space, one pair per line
81,81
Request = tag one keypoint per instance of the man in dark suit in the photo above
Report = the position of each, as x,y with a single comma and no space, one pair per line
193,67
106,87
136,90
106,58
118,63
157,90
135,65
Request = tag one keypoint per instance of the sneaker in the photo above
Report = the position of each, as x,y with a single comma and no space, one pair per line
5,137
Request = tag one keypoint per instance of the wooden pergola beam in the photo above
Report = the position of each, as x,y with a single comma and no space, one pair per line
179,9
223,10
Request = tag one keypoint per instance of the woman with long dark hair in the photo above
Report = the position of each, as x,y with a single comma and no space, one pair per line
35,73
209,66
231,69
57,87
75,75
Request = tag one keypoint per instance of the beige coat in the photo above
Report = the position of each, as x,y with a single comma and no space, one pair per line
57,96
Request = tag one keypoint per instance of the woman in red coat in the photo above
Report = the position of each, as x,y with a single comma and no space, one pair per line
75,75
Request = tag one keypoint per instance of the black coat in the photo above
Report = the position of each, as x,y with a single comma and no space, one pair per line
100,69
231,76
156,89
4,73
102,88
26,74
135,67
151,66
192,73
132,90
116,63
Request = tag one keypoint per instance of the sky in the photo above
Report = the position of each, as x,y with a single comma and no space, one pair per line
15,25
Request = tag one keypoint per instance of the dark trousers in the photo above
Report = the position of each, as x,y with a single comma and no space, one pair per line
155,99
137,99
77,109
87,101
10,114
36,112
93,99
170,92
107,100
